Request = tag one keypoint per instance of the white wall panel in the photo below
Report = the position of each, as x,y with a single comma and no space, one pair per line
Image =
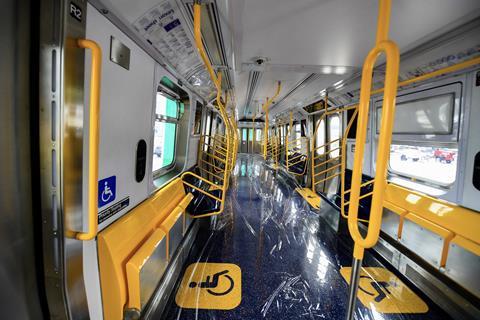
470,195
125,112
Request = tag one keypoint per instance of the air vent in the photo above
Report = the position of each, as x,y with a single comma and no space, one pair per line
299,86
253,82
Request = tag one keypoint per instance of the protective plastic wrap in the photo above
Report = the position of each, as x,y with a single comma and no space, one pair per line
293,264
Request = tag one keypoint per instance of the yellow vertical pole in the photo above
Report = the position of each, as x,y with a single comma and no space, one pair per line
265,109
391,51
265,131
287,144
254,133
217,81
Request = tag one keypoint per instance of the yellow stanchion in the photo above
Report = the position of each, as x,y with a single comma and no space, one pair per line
392,54
218,153
265,108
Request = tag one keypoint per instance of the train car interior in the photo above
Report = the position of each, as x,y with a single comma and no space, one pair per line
240,159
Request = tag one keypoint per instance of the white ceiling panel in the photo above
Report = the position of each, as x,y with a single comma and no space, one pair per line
330,32
300,36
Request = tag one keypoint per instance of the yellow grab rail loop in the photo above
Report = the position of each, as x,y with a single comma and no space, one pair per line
226,141
392,54
388,111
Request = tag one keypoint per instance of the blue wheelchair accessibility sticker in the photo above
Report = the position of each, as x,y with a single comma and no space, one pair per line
106,190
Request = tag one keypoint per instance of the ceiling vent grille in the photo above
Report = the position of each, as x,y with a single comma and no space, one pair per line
254,78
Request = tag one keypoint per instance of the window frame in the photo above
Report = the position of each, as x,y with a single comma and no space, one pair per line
159,118
198,119
454,88
258,137
442,140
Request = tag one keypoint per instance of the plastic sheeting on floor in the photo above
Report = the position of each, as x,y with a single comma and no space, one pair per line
270,256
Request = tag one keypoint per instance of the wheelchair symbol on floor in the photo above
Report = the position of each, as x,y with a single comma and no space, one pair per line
381,288
212,284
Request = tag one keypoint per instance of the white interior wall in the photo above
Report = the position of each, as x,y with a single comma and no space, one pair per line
126,102
470,195
127,99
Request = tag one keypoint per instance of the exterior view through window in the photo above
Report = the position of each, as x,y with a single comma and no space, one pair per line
259,135
437,165
424,146
321,137
334,134
166,115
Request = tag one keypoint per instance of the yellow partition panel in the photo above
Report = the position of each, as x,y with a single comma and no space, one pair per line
121,240
136,264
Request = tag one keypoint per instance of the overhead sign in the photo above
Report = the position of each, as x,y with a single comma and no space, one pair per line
162,28
210,286
382,291
106,190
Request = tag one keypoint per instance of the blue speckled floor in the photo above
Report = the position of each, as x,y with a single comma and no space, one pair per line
289,257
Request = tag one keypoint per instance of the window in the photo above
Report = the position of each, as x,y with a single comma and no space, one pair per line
320,138
424,147
334,134
166,115
304,128
197,126
259,135
437,165
352,134
431,115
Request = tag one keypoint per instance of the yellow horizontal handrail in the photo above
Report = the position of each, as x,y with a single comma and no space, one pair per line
94,121
296,157
433,74
188,173
330,151
327,144
296,162
327,178
216,151
217,139
215,157
215,174
213,144
202,191
362,185
328,169
325,162
297,139
361,197
212,165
